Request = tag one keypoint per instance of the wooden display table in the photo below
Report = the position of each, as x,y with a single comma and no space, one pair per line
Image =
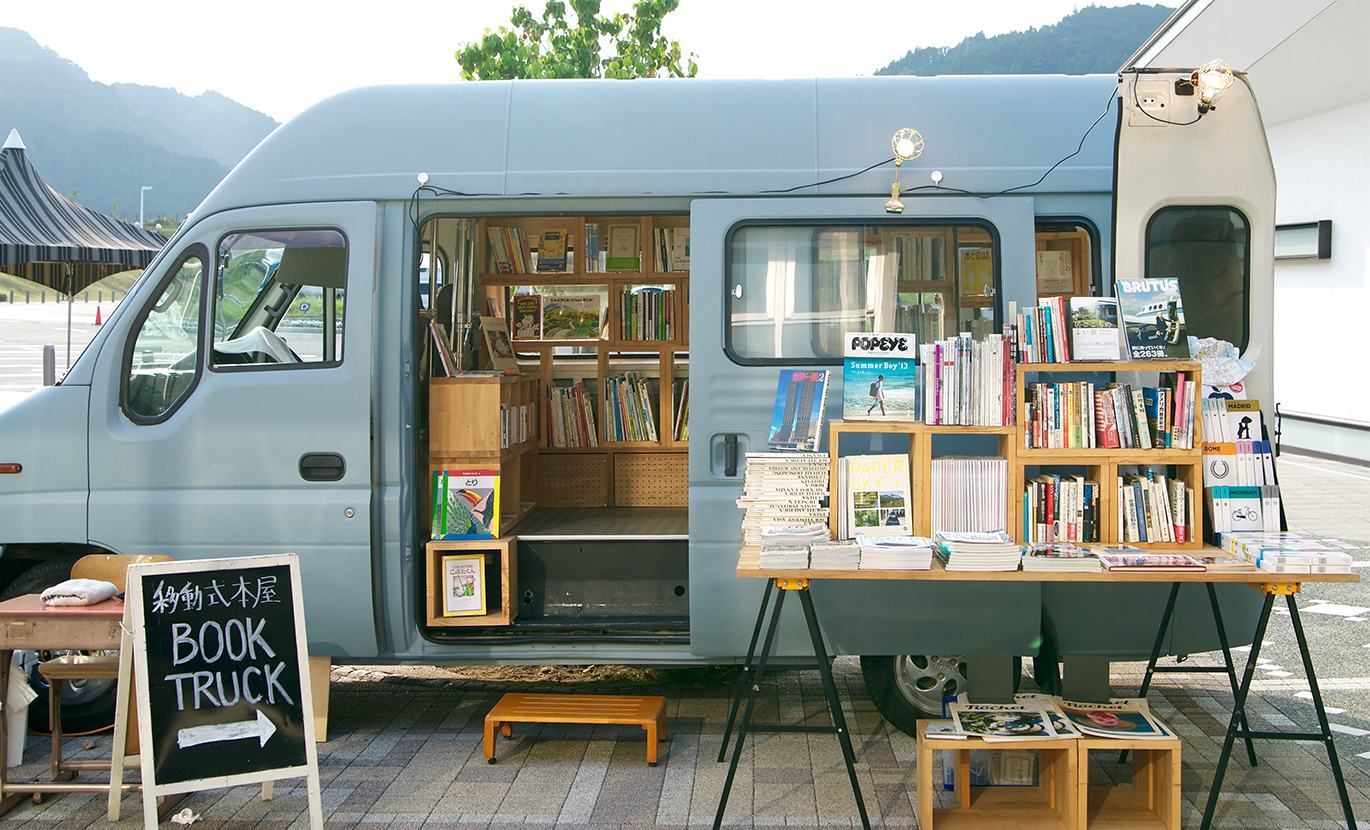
648,712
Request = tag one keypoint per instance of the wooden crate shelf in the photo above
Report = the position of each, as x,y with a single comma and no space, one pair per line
501,593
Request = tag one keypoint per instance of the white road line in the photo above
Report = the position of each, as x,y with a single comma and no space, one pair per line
1287,462
1331,710
1349,730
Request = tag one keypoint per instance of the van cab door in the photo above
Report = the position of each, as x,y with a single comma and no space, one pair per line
773,284
230,414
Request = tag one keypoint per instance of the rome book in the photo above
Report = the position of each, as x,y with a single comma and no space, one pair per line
465,504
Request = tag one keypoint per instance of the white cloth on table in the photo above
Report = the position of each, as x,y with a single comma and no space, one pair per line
79,592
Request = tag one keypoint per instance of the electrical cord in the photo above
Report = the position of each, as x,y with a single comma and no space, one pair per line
1136,74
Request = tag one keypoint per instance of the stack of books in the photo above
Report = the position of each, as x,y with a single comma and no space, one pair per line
1127,558
839,556
972,551
784,490
808,534
895,553
784,557
1059,558
1285,553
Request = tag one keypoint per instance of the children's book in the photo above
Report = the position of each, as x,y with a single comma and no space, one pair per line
879,377
497,343
552,252
797,420
571,317
877,495
527,317
463,585
465,504
1094,329
1153,317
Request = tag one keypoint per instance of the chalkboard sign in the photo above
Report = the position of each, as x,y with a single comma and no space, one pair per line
221,670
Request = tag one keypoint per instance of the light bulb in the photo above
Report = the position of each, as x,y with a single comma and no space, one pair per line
904,148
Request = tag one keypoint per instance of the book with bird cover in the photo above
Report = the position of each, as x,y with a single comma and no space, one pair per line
465,504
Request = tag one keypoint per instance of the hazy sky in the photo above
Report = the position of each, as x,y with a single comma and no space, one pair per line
281,56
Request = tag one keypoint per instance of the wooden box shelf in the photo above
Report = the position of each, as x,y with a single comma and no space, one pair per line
501,580
1151,802
1051,805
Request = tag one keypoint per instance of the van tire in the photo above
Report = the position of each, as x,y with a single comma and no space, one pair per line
909,687
87,706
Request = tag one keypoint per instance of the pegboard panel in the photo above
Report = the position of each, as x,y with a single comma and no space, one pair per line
651,479
573,480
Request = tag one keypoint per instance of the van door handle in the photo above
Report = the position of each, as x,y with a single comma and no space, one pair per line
730,455
322,466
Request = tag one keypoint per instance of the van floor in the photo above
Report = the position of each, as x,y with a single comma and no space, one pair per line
565,524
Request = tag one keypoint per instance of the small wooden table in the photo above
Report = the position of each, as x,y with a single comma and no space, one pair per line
26,623
645,711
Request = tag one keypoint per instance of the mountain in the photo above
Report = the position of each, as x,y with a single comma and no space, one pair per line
1089,40
107,141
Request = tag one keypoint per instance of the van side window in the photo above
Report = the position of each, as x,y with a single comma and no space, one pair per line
1209,250
793,290
164,360
279,298
1065,260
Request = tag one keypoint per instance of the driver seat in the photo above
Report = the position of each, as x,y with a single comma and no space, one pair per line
110,568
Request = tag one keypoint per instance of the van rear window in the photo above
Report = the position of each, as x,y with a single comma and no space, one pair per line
1209,250
794,289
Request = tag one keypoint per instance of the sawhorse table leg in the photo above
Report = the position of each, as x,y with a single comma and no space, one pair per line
1236,726
839,726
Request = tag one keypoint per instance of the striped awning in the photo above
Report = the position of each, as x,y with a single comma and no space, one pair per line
38,224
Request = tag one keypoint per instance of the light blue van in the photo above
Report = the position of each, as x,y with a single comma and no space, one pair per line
284,408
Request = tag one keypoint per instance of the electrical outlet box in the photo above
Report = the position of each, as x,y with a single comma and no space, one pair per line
1150,103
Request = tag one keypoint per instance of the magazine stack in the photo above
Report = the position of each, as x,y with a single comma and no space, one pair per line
1061,557
895,553
785,491
784,557
1032,716
969,493
839,556
971,551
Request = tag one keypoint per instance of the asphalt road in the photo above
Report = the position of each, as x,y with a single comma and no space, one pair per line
26,327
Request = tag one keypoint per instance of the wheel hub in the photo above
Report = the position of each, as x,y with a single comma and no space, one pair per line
923,680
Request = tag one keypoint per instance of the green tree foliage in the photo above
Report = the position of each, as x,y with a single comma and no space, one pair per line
1088,40
550,47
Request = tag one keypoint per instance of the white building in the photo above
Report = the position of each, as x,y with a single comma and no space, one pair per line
1309,64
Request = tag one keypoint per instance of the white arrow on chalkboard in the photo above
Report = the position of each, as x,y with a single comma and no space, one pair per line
262,729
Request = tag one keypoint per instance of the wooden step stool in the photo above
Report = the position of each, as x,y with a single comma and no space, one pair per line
647,712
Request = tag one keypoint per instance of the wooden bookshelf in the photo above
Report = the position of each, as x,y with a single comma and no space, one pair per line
501,580
624,473
1103,465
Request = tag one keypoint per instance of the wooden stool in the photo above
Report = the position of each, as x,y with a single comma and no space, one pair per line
647,712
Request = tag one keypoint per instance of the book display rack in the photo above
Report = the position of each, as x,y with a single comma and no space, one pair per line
1099,464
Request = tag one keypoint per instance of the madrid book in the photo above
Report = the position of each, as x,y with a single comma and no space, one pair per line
797,422
1153,316
879,377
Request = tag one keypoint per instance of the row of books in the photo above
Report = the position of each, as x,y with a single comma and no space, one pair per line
969,494
516,425
1155,509
1226,420
671,247
1244,508
967,382
680,410
571,417
1074,414
785,496
512,251
1043,336
648,313
1278,552
1145,314
1061,509
628,414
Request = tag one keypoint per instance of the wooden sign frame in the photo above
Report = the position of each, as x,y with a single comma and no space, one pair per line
135,635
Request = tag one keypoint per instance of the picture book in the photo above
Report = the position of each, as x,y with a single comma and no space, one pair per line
1115,719
465,504
463,585
497,343
1153,317
527,316
571,317
552,252
877,494
625,248
1094,329
443,349
797,421
879,377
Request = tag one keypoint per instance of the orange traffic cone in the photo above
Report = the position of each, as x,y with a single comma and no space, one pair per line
97,315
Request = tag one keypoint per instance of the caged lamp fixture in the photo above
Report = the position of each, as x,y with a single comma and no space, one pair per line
1211,80
906,144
